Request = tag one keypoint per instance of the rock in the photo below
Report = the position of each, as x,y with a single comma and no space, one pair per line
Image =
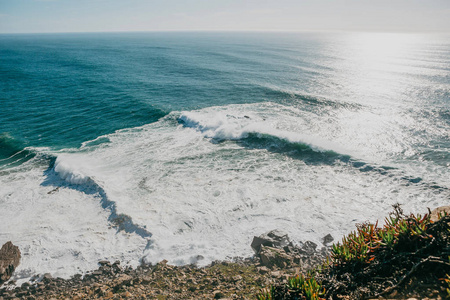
276,274
218,295
163,262
97,273
263,270
192,288
128,294
308,247
327,239
440,211
274,239
104,263
122,279
146,279
9,260
271,257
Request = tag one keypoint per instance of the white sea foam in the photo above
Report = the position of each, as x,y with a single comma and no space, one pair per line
70,170
199,191
58,230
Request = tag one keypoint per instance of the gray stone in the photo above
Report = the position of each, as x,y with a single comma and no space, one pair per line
104,263
97,273
9,260
77,277
327,239
274,239
308,248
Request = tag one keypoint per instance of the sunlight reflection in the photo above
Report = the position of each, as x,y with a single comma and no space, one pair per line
373,63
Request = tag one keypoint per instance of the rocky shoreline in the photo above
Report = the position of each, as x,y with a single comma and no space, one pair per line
238,280
275,260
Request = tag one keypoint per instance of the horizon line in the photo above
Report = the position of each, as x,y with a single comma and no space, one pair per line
240,31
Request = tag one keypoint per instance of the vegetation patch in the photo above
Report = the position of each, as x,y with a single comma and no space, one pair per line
407,256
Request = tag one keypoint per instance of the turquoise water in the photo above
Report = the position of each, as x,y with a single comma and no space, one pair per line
58,91
61,90
190,135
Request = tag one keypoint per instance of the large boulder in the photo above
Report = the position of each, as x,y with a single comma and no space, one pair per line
274,239
9,260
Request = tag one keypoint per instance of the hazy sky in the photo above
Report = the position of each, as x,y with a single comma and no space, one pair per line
224,15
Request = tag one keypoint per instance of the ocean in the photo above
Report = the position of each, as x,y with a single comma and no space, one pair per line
141,147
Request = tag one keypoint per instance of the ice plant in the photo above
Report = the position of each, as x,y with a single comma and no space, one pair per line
306,286
413,241
362,244
266,294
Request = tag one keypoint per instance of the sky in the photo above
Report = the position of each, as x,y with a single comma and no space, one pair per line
42,16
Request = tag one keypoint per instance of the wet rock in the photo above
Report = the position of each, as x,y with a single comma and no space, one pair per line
289,248
274,239
47,277
9,260
327,239
308,248
104,263
25,285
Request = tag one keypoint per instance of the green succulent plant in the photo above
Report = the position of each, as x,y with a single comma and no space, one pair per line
362,244
306,286
369,242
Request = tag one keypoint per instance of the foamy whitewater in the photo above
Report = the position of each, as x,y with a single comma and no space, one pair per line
144,147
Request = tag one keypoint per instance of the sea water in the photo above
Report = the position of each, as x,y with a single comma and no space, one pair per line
140,147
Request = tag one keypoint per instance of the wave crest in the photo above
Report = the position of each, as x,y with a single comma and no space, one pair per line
66,170
255,131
